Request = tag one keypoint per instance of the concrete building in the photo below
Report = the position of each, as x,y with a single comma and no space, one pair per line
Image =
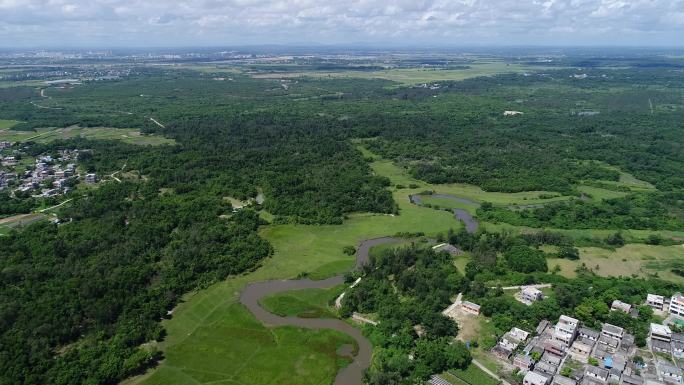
678,349
660,332
531,294
669,372
618,305
612,331
534,378
677,305
91,178
566,330
657,302
661,346
523,362
545,368
451,249
589,334
561,380
554,347
581,349
610,342
470,307
541,328
631,379
596,373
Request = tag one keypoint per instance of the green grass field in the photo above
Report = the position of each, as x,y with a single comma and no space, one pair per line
45,135
313,303
642,260
470,376
5,124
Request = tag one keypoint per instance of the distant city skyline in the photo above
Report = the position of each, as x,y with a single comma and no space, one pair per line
201,23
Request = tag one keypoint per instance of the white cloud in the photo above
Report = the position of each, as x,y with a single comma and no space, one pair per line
226,22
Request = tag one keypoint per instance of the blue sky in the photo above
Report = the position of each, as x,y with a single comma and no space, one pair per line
54,23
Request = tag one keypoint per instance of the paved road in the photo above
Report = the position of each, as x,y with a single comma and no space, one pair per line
353,373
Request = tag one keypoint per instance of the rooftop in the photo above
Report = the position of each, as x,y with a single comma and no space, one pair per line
612,329
660,329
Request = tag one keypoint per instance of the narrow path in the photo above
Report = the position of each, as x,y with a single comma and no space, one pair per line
157,123
490,373
538,286
250,296
55,206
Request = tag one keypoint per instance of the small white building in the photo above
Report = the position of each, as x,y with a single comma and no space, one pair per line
657,302
470,307
618,305
531,294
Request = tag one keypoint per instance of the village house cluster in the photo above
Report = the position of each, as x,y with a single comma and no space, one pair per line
47,177
569,353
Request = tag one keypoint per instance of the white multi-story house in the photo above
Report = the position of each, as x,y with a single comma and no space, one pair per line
566,330
677,305
656,301
530,294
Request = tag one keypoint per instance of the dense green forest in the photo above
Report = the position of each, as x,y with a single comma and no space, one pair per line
656,211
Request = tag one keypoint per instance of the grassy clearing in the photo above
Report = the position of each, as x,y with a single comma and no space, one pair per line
313,303
5,124
639,259
409,76
398,175
471,376
598,193
45,135
15,221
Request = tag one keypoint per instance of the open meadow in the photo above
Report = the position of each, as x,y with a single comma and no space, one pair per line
407,76
45,135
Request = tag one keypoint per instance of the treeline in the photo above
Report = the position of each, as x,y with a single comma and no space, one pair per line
408,288
78,300
652,211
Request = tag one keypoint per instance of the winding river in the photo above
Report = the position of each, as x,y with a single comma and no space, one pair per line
464,216
351,374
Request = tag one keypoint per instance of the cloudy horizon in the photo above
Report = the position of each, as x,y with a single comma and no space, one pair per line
138,23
